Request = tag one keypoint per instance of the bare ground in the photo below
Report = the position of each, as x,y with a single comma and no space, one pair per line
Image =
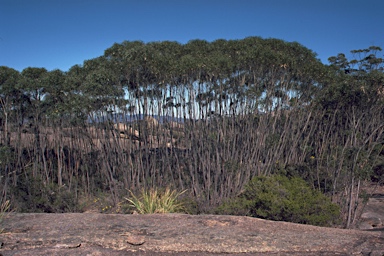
177,234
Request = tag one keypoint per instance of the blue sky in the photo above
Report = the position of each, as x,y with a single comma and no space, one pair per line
57,34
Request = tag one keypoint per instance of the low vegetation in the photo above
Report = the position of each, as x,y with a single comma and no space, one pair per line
4,208
281,198
31,196
156,201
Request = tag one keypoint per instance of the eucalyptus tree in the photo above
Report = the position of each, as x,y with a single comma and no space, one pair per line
263,83
352,113
101,89
125,58
76,105
199,51
145,73
55,95
8,96
163,64
104,96
164,101
56,108
32,86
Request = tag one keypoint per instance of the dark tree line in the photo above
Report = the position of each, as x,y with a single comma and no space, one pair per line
203,116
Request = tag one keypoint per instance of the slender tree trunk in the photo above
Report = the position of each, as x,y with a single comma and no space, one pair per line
351,203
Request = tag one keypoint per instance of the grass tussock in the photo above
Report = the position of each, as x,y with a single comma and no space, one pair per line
4,208
156,201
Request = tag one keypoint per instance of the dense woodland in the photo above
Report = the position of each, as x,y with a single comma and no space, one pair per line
205,117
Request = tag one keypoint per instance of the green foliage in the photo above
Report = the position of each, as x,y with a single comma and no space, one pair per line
156,201
378,172
239,206
358,82
189,205
281,198
33,196
6,155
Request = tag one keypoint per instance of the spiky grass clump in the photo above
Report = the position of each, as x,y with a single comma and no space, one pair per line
156,201
4,208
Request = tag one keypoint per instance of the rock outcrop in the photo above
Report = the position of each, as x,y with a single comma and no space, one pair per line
373,213
176,234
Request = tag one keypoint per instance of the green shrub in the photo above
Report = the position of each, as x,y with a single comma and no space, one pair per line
283,199
239,206
190,205
156,201
32,195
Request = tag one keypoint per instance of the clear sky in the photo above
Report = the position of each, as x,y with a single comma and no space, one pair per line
57,34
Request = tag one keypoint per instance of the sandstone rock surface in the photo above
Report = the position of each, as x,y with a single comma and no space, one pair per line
373,213
176,234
